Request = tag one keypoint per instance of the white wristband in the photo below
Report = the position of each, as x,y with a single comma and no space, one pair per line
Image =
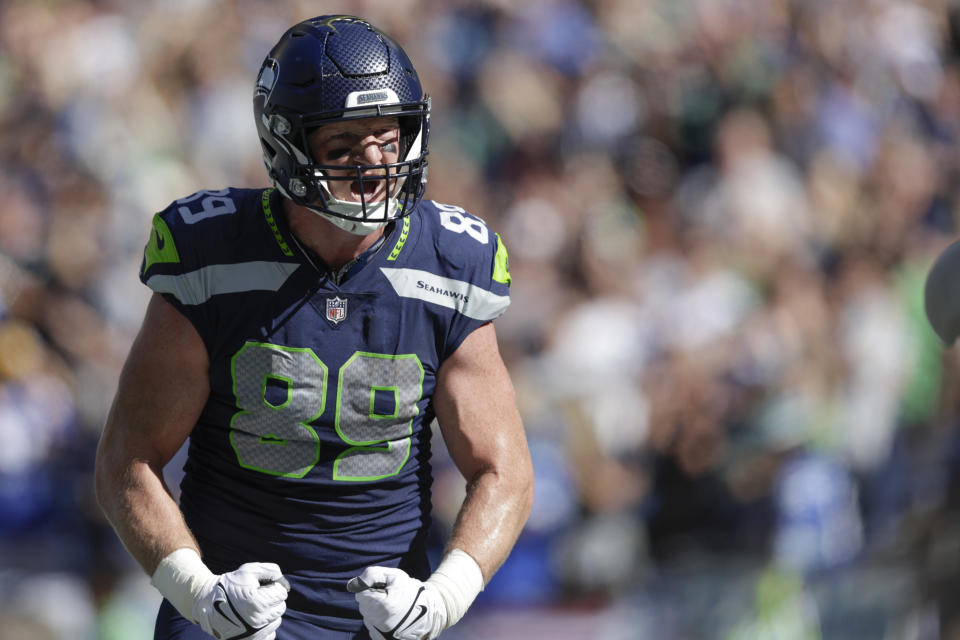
458,579
181,578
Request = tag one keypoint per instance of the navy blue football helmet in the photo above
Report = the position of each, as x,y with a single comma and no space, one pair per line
330,69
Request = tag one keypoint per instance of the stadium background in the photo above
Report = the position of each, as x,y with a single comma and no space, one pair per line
719,212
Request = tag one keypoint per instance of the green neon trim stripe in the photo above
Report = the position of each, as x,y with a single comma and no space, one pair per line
284,379
269,439
396,403
387,447
501,263
160,247
374,447
404,232
272,223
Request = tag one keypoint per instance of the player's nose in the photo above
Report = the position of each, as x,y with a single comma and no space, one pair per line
371,151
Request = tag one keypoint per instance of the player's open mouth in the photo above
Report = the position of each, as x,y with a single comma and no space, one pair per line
369,190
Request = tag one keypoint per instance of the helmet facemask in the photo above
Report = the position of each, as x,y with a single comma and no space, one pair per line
310,184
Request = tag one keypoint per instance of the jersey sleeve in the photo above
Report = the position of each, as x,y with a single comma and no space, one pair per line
478,257
457,267
173,264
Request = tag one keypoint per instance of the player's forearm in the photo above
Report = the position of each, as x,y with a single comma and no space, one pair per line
146,518
493,514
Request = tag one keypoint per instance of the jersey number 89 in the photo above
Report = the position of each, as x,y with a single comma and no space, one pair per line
276,437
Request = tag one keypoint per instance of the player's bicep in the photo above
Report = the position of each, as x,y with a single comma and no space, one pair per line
476,408
162,390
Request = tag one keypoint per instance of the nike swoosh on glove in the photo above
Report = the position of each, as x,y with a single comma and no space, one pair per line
395,606
247,603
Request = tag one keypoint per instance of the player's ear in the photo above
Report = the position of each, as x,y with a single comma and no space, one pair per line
942,294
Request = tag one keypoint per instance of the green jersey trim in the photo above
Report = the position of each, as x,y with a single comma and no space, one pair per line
160,247
272,223
196,287
397,248
501,263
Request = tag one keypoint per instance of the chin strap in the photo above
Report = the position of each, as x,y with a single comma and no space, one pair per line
354,224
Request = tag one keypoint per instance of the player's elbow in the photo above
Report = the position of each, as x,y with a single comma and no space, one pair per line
106,472
516,474
510,477
112,469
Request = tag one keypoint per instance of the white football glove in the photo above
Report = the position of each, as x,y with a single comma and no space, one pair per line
245,603
395,606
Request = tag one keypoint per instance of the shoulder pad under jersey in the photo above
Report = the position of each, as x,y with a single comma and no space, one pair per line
215,242
456,261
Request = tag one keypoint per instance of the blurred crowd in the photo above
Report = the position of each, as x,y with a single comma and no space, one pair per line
720,214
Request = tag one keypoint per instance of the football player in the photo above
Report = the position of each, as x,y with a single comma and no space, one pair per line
305,337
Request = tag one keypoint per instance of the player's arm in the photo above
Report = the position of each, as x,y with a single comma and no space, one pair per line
163,388
481,426
483,432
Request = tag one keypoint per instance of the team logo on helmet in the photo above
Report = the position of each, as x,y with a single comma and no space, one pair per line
267,77
336,310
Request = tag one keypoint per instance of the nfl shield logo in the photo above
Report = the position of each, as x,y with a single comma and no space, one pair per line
336,310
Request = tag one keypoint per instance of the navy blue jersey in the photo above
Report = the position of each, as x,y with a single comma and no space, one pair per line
313,448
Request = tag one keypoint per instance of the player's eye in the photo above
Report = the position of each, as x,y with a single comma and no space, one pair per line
337,154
